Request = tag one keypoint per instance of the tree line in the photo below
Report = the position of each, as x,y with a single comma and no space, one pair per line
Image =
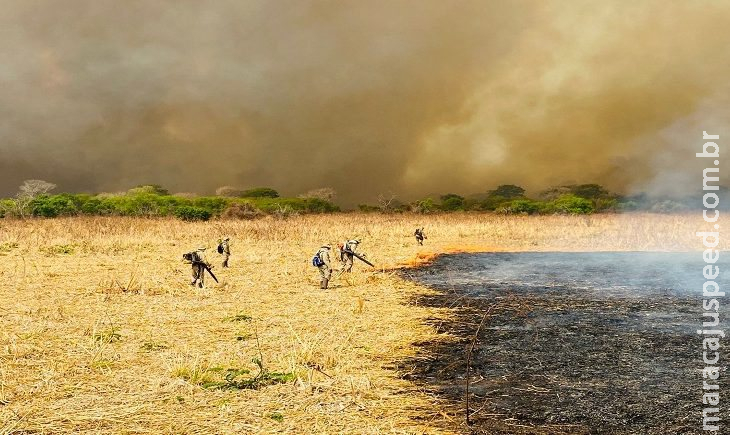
34,199
567,199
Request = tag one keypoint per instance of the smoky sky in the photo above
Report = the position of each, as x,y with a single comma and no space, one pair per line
368,97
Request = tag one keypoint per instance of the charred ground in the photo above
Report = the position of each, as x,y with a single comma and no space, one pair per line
557,357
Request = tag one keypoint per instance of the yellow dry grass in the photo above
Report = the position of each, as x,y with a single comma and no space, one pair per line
101,333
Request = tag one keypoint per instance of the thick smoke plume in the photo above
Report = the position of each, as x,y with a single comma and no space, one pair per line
412,97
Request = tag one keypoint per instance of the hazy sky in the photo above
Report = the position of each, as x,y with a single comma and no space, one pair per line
368,97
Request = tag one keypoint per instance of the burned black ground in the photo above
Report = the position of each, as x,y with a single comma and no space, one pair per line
608,351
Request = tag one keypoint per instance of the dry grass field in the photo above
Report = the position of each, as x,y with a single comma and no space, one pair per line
100,331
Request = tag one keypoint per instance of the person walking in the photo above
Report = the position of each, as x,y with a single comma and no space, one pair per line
420,235
323,262
224,248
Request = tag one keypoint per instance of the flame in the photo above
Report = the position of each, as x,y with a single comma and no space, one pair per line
423,258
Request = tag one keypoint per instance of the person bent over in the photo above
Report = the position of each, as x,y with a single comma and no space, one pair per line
346,254
199,264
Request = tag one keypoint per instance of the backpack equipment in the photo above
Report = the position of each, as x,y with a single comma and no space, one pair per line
317,260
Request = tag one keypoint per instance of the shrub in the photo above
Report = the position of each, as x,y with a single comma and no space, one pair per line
141,204
389,203
520,206
289,205
472,204
367,208
154,189
6,207
589,191
493,202
241,210
189,213
425,206
55,205
325,193
452,202
571,204
605,204
260,192
509,191
228,191
318,205
185,195
554,193
214,205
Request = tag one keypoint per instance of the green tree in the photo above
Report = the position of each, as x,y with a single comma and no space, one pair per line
452,202
425,206
493,202
589,191
508,191
571,204
260,192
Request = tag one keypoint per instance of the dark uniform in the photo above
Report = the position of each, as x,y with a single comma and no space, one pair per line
420,235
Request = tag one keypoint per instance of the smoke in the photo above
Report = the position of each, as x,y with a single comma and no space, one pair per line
366,97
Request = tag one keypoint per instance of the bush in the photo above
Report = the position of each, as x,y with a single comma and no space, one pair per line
189,213
228,191
6,207
141,202
452,202
425,206
260,192
298,205
318,205
393,206
553,193
92,207
521,206
367,208
589,191
211,203
324,193
570,204
241,210
56,205
605,204
154,189
508,191
493,203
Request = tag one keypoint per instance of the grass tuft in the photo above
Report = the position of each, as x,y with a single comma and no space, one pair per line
107,336
151,346
238,318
